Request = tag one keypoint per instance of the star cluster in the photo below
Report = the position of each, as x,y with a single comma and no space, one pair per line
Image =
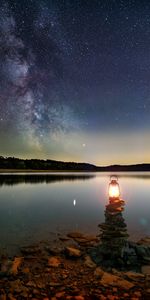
74,80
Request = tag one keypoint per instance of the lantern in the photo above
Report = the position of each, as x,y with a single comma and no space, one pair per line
114,190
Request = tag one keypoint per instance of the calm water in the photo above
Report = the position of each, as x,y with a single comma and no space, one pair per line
37,207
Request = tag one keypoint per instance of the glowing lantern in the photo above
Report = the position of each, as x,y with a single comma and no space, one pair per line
114,191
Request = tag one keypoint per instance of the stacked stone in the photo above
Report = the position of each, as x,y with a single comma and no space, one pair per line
113,232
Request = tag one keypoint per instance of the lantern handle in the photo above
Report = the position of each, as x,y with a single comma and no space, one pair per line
113,177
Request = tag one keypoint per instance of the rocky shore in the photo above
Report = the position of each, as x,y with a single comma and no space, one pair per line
69,269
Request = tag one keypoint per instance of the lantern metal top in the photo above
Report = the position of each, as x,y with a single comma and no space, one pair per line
113,178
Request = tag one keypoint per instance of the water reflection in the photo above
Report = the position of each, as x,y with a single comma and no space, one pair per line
41,178
138,175
33,205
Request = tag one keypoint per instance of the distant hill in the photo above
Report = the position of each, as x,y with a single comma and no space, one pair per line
38,164
125,168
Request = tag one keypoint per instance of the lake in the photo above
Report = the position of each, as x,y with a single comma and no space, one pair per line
35,207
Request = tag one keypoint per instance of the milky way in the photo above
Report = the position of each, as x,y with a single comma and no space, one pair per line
33,100
74,80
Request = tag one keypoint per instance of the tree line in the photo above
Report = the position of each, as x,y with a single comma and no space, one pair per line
41,164
38,164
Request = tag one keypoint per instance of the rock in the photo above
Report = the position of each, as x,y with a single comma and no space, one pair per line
16,286
11,297
109,279
55,284
125,295
64,238
54,262
53,250
5,264
146,270
73,252
31,284
98,272
89,262
83,239
144,241
15,265
142,251
40,285
3,297
116,272
35,292
25,293
102,297
75,235
32,250
60,294
25,270
134,276
146,260
111,297
138,294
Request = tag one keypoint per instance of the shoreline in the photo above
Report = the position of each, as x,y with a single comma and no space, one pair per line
65,269
3,171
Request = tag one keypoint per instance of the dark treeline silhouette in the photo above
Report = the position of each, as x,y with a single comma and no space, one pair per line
38,164
125,168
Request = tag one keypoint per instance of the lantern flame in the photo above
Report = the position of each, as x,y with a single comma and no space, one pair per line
114,191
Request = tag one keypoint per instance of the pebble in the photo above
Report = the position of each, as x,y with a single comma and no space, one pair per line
79,298
137,293
109,279
3,297
26,270
115,290
54,262
11,297
102,297
89,263
73,252
59,294
126,295
146,269
35,292
111,297
98,272
15,265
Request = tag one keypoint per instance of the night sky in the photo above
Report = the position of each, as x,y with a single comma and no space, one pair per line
75,80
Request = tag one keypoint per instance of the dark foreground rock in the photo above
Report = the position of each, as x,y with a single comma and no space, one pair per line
69,273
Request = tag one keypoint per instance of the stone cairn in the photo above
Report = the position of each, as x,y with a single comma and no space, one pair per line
113,234
114,249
